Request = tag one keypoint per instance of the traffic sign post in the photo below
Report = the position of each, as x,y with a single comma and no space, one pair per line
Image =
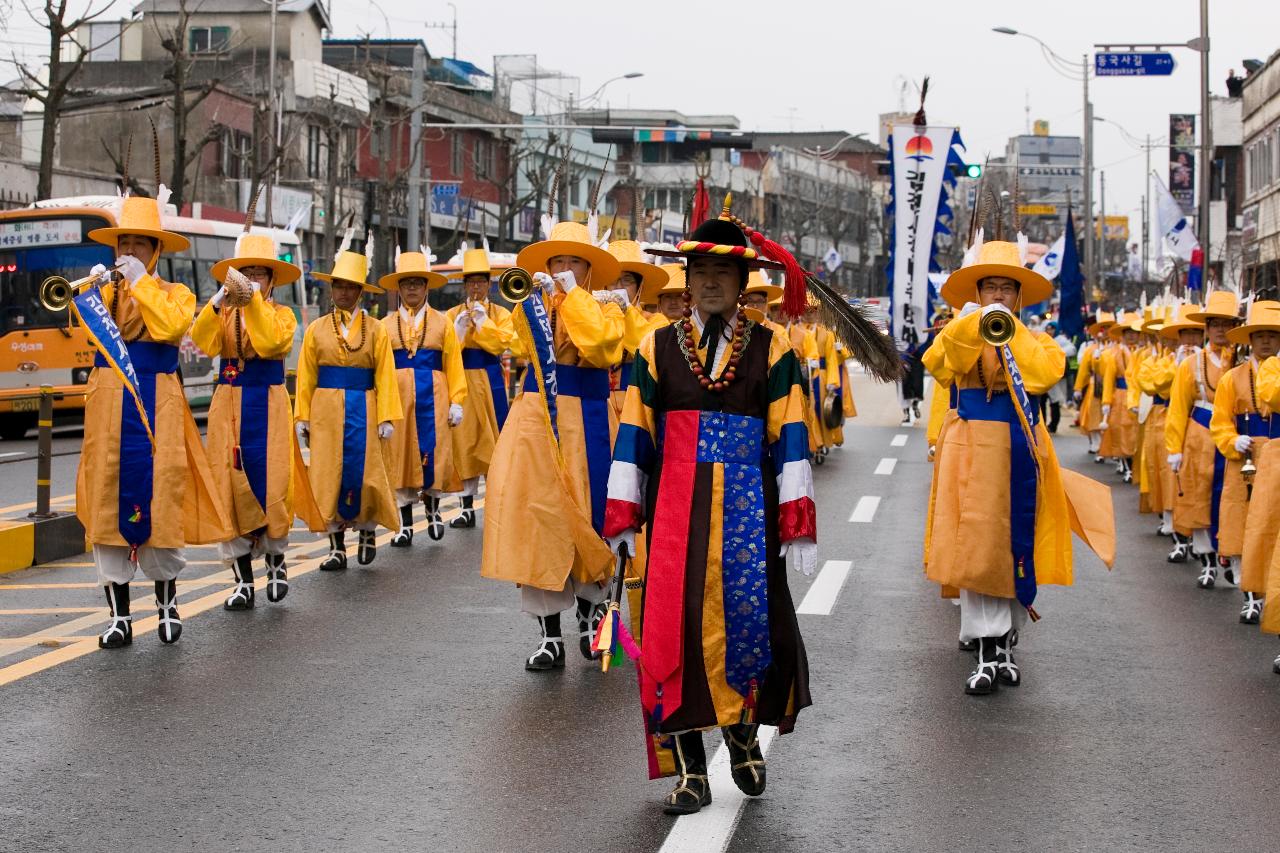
1133,64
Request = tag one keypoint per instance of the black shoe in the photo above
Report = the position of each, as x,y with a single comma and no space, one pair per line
1228,571
693,788
435,524
1007,672
367,548
1252,610
550,652
746,760
467,518
1181,549
241,597
120,632
1275,666
982,680
1208,571
167,607
968,645
337,559
589,616
404,536
277,578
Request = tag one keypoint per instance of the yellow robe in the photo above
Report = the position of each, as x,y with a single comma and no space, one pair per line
184,500
526,537
828,374
1089,384
637,326
266,333
474,438
846,387
1193,386
1155,377
325,410
1120,438
1263,528
805,346
1236,392
449,385
969,538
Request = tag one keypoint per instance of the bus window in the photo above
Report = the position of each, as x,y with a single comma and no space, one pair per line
181,272
25,269
206,286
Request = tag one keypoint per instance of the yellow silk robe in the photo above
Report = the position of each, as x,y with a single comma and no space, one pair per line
1263,528
474,438
1194,383
1089,384
1120,438
1155,377
1236,392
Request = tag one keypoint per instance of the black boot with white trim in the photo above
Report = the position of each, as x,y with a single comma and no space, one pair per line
367,547
167,608
120,632
435,523
404,536
241,597
693,788
1252,610
1230,570
467,518
1208,571
983,678
1007,672
1181,548
589,616
277,578
746,759
1275,666
337,559
550,651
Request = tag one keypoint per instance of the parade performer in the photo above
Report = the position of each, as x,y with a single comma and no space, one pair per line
1060,393
1197,466
1261,535
347,402
641,282
484,330
668,296
712,456
251,442
143,488
525,537
825,380
1155,378
1242,427
1120,423
1088,388
998,536
432,389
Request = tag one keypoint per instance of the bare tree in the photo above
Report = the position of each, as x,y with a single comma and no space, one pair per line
530,157
52,16
183,103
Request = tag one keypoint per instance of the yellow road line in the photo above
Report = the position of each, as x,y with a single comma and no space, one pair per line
46,640
5,510
48,611
89,564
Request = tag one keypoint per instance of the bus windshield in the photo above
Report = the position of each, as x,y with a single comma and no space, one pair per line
23,269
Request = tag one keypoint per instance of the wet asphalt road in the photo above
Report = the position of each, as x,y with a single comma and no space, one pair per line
387,709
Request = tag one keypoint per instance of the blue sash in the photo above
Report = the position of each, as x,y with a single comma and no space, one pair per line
424,363
624,377
1258,426
478,359
1157,400
974,406
355,382
591,386
815,394
137,466
254,377
1203,417
1122,384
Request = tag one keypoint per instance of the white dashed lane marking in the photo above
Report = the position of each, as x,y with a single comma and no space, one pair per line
822,594
886,466
865,511
899,440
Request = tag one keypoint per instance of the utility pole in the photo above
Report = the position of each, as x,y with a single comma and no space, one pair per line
271,114
1146,217
1087,141
415,142
1102,230
453,27
1206,140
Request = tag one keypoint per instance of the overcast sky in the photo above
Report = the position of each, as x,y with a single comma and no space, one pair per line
837,64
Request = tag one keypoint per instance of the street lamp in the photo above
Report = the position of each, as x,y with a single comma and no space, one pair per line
829,153
1087,142
630,75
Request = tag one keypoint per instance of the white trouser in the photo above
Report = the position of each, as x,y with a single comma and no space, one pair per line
1095,438
408,497
988,616
470,486
242,545
542,602
1166,519
1201,543
159,564
338,526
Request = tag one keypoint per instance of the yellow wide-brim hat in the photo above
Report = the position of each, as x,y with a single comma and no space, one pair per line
996,258
573,239
351,267
1105,320
1182,321
757,284
1264,316
474,262
631,259
257,250
675,279
140,215
1221,304
412,265
1153,324
1130,322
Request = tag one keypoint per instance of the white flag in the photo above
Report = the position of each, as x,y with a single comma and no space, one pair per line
1050,264
832,259
1173,224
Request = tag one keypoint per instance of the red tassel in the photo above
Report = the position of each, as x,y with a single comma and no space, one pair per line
795,292
701,205
1031,611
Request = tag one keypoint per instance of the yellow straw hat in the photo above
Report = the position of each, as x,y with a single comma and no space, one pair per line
573,239
1222,304
630,258
1182,321
352,267
412,265
474,262
1264,316
996,258
140,215
756,284
1159,316
675,279
1105,320
1130,322
257,250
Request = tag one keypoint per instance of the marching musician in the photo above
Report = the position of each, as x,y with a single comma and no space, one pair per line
432,389
142,496
639,281
1261,535
1120,422
669,295
1088,389
1155,377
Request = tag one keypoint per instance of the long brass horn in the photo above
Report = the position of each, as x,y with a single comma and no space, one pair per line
56,292
996,328
515,284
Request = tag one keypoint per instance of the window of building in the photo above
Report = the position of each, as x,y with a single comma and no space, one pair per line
480,152
351,153
209,39
575,194
235,154
317,151
455,155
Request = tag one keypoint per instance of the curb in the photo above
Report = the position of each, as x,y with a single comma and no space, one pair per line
29,542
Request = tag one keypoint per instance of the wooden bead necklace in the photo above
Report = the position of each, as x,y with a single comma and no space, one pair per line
422,337
342,339
684,336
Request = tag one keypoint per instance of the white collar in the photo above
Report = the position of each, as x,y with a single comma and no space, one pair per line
416,317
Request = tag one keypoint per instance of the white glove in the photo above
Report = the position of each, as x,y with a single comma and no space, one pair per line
455,414
1078,396
546,282
831,386
1106,411
813,364
1175,462
627,538
568,281
219,296
479,314
131,268
803,553
303,429
97,269
1243,443
255,285
969,308
996,307
385,429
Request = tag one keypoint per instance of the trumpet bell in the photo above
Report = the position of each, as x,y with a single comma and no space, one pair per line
55,293
515,284
996,328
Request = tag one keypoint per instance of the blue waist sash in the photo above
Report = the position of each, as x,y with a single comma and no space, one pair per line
423,359
1258,426
974,406
478,359
1122,384
1157,400
1203,416
624,377
251,372
591,386
137,467
255,378
354,382
424,363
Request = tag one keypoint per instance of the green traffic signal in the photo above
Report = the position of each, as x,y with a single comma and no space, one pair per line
973,170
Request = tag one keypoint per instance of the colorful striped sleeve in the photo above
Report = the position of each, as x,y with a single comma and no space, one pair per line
789,444
634,449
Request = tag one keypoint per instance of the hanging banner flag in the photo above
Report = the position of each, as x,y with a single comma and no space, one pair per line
920,158
533,325
103,332
1050,264
1182,159
1173,223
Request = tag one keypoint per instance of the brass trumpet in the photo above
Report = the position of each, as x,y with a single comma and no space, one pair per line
515,284
996,328
1248,471
56,292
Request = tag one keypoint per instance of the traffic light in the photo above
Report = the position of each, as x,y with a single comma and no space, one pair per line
287,257
973,170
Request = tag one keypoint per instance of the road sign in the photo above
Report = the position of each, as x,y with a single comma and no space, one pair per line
1133,64
441,190
1050,171
1038,209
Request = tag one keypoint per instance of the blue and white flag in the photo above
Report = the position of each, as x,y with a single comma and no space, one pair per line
1173,224
96,318
1050,264
539,342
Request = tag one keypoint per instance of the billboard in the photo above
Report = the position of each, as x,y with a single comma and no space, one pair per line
1182,159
